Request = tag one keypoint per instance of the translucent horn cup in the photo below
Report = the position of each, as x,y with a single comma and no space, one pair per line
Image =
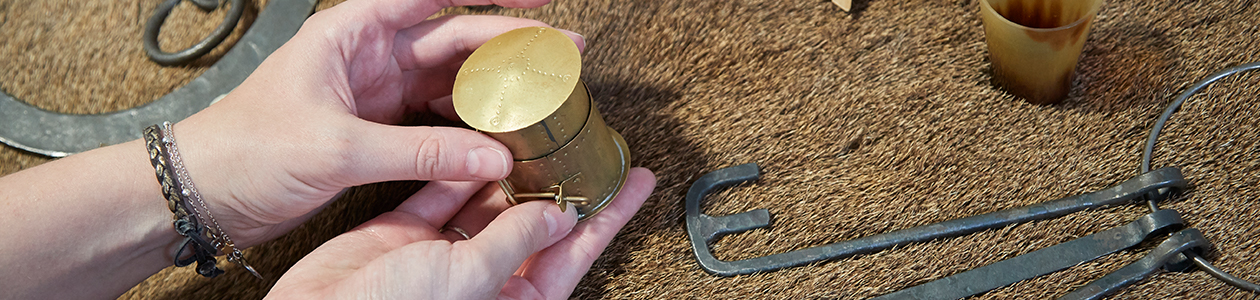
1034,45
522,89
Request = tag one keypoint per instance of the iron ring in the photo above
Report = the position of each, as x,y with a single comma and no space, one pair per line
154,26
56,134
1146,167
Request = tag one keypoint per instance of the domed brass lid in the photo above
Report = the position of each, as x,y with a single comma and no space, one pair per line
516,79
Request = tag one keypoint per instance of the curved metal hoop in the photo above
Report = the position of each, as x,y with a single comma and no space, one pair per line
1147,152
56,134
154,26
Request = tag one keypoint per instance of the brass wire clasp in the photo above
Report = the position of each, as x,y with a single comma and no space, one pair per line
558,194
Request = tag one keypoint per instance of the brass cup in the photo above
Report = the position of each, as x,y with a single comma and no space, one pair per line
589,169
522,89
1034,45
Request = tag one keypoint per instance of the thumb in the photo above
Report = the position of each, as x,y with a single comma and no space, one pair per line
387,153
491,257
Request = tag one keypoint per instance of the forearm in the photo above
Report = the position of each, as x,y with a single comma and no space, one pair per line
87,226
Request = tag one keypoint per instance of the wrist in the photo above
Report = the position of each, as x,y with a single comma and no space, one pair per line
252,180
211,169
155,240
97,215
203,236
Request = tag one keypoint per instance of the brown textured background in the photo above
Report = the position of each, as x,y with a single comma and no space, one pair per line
863,122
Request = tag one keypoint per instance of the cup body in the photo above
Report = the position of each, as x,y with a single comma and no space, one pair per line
592,161
1034,45
522,88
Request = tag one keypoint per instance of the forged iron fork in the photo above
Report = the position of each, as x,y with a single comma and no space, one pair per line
1068,254
702,228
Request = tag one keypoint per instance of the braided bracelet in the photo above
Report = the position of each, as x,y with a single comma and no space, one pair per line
189,208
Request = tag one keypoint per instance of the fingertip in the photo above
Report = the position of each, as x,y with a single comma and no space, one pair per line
643,177
386,153
447,153
453,37
559,223
488,163
577,38
639,184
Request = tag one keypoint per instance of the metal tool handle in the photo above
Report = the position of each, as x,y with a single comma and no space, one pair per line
1186,240
703,228
1043,261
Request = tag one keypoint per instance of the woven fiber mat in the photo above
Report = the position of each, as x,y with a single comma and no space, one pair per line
863,122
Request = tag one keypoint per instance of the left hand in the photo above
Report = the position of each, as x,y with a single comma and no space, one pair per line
529,251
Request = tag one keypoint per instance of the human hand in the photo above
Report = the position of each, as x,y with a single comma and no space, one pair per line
310,121
529,251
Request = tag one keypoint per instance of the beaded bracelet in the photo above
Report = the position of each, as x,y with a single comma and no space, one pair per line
191,211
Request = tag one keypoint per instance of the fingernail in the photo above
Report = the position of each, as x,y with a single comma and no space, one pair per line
581,42
552,217
572,32
487,163
552,225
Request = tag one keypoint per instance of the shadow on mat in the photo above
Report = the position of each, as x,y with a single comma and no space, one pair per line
636,111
